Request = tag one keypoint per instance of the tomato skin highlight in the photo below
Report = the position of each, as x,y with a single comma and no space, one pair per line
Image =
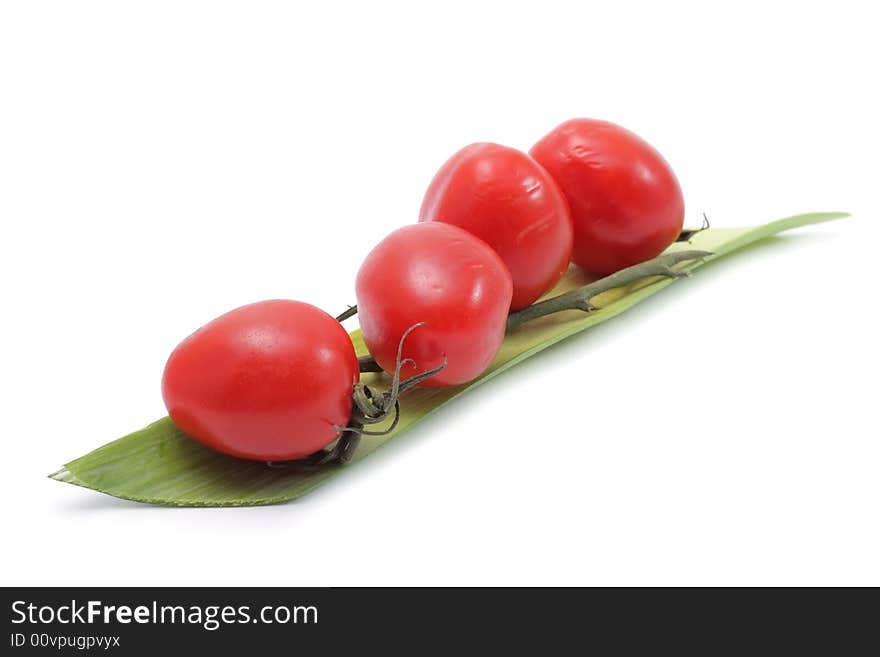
508,200
268,381
443,276
626,203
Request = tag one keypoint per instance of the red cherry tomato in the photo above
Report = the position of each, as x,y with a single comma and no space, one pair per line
445,277
508,200
270,381
625,201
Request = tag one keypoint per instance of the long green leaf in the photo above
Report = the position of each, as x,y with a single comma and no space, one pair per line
161,465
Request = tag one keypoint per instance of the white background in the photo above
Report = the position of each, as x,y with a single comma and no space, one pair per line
163,162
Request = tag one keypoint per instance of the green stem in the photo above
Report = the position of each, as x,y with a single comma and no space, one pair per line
685,236
351,312
580,298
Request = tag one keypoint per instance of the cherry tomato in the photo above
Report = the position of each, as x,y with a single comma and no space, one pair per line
625,201
270,381
508,200
443,276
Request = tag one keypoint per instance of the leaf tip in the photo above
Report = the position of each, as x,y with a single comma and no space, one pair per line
65,476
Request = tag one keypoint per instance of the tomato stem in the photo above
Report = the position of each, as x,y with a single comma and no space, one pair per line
580,299
351,312
367,364
341,452
370,407
687,234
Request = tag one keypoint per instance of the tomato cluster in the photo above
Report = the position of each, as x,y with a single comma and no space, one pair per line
276,380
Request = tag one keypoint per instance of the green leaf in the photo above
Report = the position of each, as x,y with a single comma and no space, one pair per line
161,465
